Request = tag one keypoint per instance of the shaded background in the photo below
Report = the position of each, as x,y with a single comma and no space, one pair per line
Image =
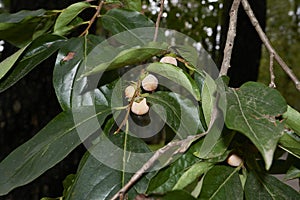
30,104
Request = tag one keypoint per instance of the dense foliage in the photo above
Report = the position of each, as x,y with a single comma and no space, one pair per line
90,75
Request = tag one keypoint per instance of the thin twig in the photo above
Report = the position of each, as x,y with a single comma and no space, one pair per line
136,93
99,7
272,75
268,45
158,19
182,147
230,38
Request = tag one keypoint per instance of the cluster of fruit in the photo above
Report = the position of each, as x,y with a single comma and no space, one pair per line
149,84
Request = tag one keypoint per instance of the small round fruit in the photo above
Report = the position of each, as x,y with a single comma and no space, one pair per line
169,59
140,108
234,160
150,83
129,91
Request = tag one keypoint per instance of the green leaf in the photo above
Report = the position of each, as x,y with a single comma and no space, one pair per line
9,62
133,5
24,22
251,110
176,75
69,60
292,119
180,113
67,183
97,181
193,173
290,144
39,50
218,146
222,182
176,194
208,98
292,173
264,186
69,14
49,146
119,20
166,178
130,56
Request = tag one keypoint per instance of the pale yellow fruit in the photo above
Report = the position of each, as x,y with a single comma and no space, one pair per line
140,108
150,83
234,160
129,91
169,59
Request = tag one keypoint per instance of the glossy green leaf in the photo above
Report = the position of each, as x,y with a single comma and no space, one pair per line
18,28
70,27
133,5
67,183
176,194
9,62
292,119
39,50
251,110
130,56
208,97
177,75
166,179
97,181
291,144
180,113
49,146
264,186
193,173
222,182
218,146
7,18
119,20
292,173
69,14
69,59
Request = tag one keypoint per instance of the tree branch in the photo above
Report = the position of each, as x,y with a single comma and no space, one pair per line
268,45
182,145
158,19
99,7
230,38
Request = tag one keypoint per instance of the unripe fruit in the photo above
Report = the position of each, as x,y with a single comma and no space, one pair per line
129,91
150,83
140,108
234,160
169,59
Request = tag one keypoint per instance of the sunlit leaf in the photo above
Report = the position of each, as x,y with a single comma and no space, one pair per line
252,110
